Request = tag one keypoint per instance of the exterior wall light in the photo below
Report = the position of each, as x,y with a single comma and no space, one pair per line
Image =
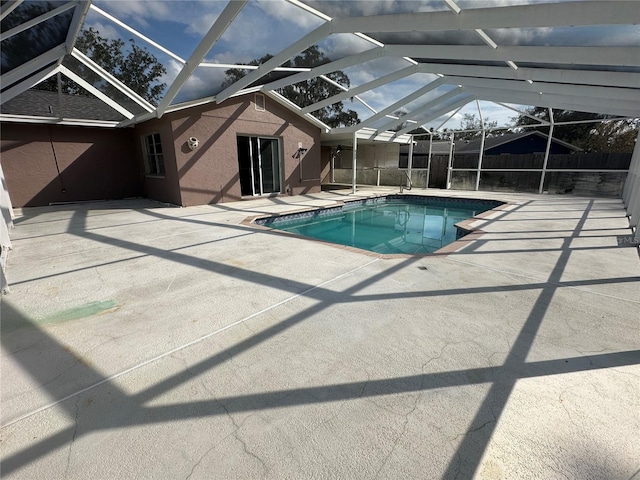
192,143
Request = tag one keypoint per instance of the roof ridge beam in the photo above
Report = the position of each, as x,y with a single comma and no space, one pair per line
573,13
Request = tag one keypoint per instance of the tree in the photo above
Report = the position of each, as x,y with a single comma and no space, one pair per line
474,126
309,91
609,136
136,67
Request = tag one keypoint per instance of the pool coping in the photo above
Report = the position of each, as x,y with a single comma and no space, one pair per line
466,225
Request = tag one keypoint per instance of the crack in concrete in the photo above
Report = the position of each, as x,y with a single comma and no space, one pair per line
561,400
403,432
197,464
73,438
250,453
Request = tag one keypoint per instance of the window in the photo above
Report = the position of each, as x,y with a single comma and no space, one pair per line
154,162
259,102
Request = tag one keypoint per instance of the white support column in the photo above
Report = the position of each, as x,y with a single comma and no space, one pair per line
450,166
354,164
5,223
410,162
632,190
5,200
546,152
632,182
332,167
426,182
481,154
634,214
480,157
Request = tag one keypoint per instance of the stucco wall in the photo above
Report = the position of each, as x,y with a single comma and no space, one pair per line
210,174
94,163
162,188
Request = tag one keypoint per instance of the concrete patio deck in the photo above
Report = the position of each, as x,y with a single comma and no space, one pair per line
145,341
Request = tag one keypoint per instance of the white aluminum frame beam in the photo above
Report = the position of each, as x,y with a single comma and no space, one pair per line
412,115
570,77
78,55
341,64
28,68
218,28
576,13
27,83
612,93
611,56
9,7
295,48
37,20
136,33
565,102
79,15
91,89
393,107
365,87
457,105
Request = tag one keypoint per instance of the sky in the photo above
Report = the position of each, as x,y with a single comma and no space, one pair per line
268,26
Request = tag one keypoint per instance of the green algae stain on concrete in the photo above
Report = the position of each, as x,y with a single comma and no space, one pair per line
88,310
12,319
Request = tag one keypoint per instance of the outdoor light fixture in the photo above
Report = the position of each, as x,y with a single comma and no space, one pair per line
193,143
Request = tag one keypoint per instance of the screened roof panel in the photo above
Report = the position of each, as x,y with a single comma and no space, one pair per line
377,56
23,46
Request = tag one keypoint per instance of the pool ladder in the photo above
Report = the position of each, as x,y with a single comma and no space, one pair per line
402,187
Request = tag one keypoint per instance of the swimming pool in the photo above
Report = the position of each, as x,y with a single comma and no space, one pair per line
392,224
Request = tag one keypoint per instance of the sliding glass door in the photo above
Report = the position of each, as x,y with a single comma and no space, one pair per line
259,165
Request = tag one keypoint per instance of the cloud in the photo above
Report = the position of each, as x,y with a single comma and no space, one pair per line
106,30
289,14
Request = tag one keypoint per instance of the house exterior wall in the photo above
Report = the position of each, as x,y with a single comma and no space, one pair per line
164,188
94,163
210,173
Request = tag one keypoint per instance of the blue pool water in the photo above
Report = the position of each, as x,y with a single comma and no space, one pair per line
393,224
